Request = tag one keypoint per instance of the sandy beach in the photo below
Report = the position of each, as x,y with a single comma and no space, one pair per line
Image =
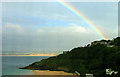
47,72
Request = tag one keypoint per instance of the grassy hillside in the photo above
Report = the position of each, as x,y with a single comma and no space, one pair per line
93,58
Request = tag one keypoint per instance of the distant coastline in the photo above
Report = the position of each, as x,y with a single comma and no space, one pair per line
28,55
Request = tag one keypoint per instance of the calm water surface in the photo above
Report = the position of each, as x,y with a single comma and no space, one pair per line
10,64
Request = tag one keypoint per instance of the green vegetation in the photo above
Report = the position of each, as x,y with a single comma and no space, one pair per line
93,58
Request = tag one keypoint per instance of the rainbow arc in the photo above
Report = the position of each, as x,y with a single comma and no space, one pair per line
85,19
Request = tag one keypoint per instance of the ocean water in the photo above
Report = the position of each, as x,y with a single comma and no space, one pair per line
10,64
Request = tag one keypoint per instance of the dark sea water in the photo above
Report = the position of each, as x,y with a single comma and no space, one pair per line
10,64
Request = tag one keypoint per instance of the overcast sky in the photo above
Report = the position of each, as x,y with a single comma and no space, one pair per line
49,27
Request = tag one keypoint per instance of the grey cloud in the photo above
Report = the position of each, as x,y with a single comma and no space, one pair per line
45,39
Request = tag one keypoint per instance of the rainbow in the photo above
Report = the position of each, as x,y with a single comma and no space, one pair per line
79,14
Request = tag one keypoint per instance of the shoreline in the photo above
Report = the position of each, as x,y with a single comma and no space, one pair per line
32,55
48,72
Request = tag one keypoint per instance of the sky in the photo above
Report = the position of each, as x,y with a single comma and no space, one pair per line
50,28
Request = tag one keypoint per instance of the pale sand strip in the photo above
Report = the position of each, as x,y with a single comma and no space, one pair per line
32,55
47,72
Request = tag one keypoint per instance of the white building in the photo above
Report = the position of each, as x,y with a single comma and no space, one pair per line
110,72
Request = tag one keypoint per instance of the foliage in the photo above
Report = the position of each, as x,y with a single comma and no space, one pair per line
89,59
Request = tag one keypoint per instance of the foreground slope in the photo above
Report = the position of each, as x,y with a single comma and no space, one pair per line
93,58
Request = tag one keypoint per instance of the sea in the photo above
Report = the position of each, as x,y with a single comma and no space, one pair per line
11,64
